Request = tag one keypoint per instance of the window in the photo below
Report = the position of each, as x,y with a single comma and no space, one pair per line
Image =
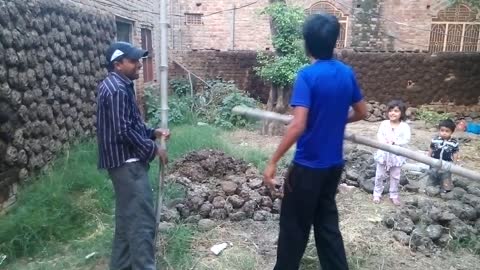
124,31
326,7
147,61
193,19
455,29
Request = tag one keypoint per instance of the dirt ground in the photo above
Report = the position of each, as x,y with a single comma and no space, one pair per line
369,244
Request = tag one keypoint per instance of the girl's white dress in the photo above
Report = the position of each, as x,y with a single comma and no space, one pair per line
399,135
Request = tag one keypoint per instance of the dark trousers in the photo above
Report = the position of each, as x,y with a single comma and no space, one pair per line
309,198
133,243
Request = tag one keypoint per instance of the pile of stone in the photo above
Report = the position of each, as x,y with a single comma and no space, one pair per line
360,171
429,223
378,112
220,187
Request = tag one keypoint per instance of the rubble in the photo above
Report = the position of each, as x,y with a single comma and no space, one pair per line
432,222
220,187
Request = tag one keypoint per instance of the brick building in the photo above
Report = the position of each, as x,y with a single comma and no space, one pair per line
431,25
136,23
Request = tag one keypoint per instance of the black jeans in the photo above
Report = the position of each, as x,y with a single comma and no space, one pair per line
309,198
133,243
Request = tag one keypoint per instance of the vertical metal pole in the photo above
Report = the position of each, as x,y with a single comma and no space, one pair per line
162,78
163,64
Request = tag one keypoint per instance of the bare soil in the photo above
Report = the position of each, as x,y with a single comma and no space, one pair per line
369,244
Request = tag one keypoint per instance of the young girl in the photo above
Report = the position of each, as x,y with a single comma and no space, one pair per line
396,132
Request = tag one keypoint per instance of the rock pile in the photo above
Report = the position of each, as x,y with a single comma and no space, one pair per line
220,187
360,171
51,58
426,224
377,112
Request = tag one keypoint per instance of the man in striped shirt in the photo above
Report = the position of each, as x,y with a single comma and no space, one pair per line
126,146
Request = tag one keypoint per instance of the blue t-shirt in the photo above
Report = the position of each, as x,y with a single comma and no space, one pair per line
473,128
327,88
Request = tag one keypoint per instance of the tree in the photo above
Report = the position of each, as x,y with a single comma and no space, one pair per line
280,69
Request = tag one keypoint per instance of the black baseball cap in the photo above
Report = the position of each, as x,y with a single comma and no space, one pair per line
119,50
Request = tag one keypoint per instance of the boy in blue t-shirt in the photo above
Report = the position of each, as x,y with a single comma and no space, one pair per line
322,95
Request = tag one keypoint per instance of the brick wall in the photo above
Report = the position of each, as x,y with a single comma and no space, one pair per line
234,66
372,24
141,14
222,27
409,21
418,78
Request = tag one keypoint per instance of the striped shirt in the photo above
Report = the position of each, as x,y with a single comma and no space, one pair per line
121,132
444,149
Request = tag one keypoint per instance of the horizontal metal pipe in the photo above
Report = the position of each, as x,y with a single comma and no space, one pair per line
397,150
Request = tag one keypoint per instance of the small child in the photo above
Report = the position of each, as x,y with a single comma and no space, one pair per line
396,132
443,147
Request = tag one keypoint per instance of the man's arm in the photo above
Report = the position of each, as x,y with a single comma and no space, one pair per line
359,112
301,103
295,129
157,133
358,103
150,132
122,126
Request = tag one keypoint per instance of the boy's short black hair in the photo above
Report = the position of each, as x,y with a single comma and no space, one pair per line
320,32
448,123
400,105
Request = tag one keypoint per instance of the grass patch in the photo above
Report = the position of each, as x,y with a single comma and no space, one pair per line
66,212
472,244
235,258
432,117
310,259
176,248
61,204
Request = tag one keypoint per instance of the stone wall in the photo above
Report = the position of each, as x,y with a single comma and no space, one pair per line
418,78
52,57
